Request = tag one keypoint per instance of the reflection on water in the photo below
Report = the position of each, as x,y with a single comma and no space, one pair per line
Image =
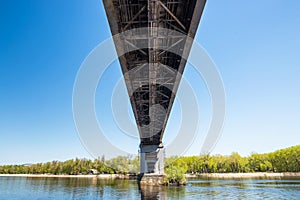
152,192
93,188
162,193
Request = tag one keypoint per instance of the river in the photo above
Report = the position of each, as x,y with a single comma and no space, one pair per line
93,188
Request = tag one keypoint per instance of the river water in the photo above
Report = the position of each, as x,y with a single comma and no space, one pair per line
93,188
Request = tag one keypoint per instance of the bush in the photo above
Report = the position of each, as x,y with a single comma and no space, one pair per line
175,176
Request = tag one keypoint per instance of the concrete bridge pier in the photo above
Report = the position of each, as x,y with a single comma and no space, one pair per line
151,164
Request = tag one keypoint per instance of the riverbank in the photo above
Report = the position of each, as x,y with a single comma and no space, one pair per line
100,176
206,175
246,175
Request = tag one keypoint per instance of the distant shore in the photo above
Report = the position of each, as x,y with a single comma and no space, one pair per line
206,175
100,176
246,175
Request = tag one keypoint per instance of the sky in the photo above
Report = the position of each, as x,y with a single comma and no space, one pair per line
254,44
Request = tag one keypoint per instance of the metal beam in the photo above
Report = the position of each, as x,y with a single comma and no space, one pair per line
174,17
134,18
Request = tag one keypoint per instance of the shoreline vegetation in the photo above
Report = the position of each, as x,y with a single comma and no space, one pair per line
279,164
188,176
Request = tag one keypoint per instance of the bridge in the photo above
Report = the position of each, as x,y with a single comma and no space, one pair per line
153,67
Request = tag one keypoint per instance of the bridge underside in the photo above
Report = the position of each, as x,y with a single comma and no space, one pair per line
153,67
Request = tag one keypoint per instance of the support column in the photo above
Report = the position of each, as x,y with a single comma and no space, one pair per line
152,159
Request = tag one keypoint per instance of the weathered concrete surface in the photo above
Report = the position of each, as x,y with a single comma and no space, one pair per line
150,179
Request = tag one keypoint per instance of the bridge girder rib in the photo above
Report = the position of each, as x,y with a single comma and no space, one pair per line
141,68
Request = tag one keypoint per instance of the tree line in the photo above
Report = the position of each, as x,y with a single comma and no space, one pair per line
284,160
118,165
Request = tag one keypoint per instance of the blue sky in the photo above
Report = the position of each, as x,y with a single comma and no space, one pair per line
255,45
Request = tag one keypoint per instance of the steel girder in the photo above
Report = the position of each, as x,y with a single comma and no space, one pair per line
152,73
